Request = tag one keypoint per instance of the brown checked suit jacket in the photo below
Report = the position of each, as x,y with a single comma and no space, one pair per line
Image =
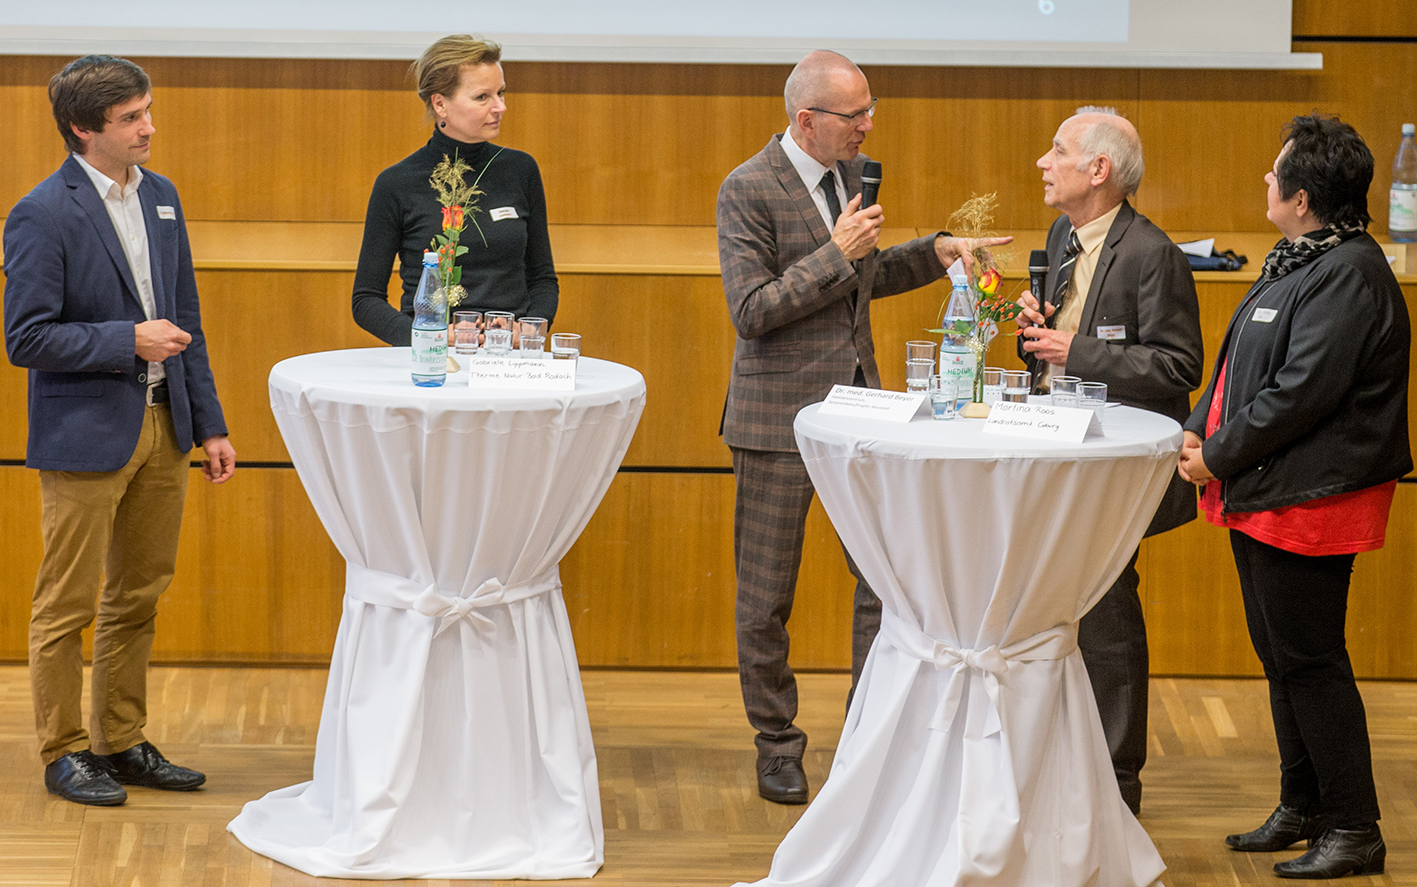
801,310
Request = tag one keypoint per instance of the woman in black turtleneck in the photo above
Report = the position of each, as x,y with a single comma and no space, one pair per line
460,80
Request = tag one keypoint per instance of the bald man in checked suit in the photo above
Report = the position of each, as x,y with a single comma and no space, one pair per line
800,268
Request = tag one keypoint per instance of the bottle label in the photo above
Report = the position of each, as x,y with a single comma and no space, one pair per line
1402,210
957,365
430,352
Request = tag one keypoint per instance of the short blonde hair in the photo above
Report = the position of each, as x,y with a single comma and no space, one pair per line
439,69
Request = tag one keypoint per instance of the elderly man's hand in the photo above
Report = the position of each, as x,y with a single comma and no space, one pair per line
857,230
1045,344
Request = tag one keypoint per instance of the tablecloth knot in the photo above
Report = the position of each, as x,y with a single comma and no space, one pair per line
990,662
388,590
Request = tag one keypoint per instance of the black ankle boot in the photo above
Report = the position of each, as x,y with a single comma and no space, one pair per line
1338,852
1285,827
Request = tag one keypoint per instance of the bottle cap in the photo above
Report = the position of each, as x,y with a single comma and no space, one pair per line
1409,129
429,258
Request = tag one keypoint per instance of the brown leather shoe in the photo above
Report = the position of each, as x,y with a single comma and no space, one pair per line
144,765
80,777
1285,827
1338,852
782,780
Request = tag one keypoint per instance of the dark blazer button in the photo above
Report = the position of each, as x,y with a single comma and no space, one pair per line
142,377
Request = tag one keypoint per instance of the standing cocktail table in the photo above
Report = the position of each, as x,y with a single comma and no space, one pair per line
973,753
454,741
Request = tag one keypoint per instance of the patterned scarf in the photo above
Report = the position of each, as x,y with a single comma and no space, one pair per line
1287,255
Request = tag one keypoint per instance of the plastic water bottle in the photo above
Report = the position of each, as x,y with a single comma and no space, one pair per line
1402,199
430,327
956,360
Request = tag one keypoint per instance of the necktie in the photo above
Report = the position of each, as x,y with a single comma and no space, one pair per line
833,205
1065,270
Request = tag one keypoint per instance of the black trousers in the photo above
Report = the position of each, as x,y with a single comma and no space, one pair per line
1295,606
1112,638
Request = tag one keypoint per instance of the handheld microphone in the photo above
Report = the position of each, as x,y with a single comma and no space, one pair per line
1037,273
870,183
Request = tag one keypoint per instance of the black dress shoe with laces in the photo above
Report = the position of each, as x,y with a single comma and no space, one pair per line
1285,827
144,765
781,779
80,777
1338,852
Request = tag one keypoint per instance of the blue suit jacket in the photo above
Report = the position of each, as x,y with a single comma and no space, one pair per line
70,308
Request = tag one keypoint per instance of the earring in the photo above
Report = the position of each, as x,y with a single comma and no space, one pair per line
442,124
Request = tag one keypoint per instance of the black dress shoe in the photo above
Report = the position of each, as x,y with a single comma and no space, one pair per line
1338,852
781,779
144,765
1285,827
81,778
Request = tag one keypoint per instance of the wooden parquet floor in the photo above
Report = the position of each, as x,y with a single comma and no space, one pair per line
676,777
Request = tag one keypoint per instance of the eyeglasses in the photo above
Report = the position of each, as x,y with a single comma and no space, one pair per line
852,118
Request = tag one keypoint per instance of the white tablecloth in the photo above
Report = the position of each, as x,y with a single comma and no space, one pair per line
973,753
454,741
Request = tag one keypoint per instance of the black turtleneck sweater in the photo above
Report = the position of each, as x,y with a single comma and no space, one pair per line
512,272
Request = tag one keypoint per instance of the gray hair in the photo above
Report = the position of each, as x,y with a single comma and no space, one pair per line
808,82
1121,147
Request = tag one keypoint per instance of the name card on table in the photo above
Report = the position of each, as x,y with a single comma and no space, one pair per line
872,403
1040,421
515,372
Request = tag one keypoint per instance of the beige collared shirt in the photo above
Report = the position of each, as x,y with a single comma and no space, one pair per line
126,213
1091,236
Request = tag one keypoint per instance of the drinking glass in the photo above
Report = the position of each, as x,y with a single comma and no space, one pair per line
1093,396
1064,391
917,374
993,385
565,346
942,397
1016,386
467,327
497,335
920,350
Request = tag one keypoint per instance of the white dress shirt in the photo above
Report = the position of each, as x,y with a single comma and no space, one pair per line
126,213
811,172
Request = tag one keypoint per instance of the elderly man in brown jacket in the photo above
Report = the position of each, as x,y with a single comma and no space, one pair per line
800,268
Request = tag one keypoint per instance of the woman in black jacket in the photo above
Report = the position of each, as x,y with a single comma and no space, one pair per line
1299,441
507,266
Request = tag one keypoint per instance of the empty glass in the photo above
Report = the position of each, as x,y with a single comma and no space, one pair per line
942,397
467,327
565,346
917,374
993,385
1016,386
1093,396
1064,390
497,335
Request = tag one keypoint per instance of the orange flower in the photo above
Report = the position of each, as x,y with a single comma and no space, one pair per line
447,217
457,218
989,281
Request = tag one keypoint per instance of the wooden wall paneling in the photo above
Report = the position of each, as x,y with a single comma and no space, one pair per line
24,546
1371,18
650,583
14,407
255,319
1382,609
1210,136
675,330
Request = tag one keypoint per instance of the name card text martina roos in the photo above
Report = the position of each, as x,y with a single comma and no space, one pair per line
1040,421
515,372
871,403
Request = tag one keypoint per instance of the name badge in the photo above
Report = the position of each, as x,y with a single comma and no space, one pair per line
166,212
503,212
1112,333
1264,315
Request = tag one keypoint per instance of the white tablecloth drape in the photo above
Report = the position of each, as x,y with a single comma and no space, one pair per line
973,752
454,741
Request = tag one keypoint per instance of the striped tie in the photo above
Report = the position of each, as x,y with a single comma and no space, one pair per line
1065,270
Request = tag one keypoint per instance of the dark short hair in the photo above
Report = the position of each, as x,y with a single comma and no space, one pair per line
1330,162
82,93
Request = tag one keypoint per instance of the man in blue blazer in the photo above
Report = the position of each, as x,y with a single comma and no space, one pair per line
101,307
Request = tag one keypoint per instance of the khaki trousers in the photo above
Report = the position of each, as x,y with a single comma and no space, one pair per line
114,534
